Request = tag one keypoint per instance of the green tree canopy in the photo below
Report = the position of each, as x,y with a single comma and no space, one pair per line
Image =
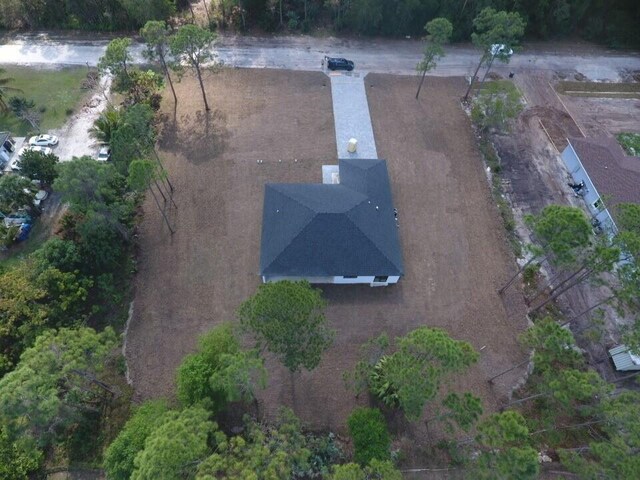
438,33
219,371
87,184
38,166
505,451
411,376
287,319
376,470
16,192
55,382
174,449
118,459
193,45
368,430
18,458
262,453
116,60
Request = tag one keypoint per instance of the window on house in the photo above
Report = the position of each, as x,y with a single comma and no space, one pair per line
350,276
381,279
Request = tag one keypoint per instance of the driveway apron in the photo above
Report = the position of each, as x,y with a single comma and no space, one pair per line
351,115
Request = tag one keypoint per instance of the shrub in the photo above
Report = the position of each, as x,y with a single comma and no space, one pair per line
370,436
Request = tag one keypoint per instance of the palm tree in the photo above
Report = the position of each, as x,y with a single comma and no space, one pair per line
107,123
4,89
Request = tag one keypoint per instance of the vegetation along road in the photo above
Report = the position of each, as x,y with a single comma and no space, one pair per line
305,52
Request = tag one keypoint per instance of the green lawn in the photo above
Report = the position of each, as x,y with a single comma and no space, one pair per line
56,94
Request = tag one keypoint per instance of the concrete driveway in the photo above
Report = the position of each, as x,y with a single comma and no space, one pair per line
351,115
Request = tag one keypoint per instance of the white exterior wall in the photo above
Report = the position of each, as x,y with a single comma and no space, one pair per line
366,280
591,196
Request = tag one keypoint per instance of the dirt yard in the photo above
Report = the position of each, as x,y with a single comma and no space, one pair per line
455,254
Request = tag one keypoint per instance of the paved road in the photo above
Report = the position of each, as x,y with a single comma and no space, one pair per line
305,53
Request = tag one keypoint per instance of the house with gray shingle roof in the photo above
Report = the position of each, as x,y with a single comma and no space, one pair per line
342,232
606,176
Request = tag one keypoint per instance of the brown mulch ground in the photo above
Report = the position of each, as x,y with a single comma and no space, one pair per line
455,252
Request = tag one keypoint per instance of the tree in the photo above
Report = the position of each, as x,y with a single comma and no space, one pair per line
613,453
116,60
24,110
495,28
439,32
286,318
155,35
134,138
144,87
563,233
262,453
192,44
55,383
16,192
107,122
174,449
4,89
119,457
505,454
368,430
463,411
23,314
149,10
495,106
376,470
18,458
86,184
554,347
219,372
142,173
38,166
411,376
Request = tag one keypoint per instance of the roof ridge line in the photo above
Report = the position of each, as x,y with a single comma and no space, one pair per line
369,238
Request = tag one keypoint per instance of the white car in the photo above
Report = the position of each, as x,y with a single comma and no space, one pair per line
43,140
45,150
500,48
104,154
40,197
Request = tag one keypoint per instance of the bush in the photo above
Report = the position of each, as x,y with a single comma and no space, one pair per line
370,436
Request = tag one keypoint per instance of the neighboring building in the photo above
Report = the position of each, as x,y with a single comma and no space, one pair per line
342,232
623,359
7,147
600,169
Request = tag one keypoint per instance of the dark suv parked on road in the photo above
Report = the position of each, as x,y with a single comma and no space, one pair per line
339,64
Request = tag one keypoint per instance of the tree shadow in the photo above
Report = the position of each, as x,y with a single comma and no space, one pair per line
200,136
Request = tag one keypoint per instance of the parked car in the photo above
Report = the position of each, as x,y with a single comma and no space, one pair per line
500,48
339,64
104,154
44,140
40,197
23,150
16,218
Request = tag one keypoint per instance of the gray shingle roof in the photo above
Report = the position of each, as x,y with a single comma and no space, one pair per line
332,230
612,172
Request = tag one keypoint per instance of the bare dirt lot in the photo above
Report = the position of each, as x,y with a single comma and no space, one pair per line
455,254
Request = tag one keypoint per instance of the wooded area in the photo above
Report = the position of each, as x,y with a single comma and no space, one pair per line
611,22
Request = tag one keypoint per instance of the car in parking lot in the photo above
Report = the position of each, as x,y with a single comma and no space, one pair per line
334,63
43,140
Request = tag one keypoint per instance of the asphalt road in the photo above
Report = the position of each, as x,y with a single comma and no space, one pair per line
305,53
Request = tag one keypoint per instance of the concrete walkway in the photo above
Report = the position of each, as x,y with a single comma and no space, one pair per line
351,115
